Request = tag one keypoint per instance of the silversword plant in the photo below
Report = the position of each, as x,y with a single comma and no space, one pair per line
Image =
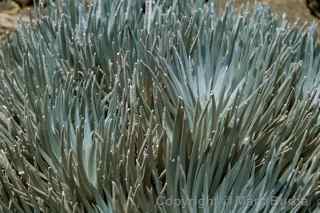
181,109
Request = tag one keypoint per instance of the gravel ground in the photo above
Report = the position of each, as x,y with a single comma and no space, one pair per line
10,13
293,8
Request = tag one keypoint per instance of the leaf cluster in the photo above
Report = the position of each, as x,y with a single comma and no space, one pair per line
179,108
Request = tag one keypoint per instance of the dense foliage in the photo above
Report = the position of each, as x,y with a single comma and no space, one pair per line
171,108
